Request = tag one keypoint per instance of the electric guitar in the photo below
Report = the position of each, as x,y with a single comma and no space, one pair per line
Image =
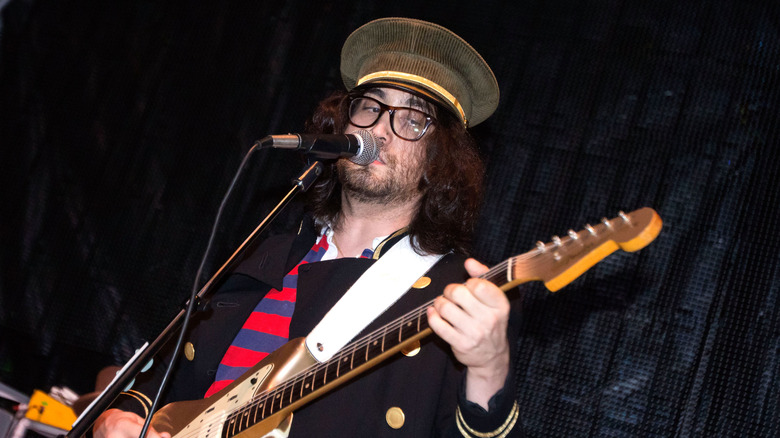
261,402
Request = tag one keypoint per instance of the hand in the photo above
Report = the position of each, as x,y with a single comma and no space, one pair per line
115,423
473,318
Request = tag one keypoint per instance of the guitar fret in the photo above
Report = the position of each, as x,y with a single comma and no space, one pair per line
375,350
384,333
232,427
239,420
322,372
325,374
296,388
245,421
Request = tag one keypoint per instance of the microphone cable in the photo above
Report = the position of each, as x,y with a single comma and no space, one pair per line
193,293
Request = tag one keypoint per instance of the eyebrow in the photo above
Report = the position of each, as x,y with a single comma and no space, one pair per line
418,102
375,91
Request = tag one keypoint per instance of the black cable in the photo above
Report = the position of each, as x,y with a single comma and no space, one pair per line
190,304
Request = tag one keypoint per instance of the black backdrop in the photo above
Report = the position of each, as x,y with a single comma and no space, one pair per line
123,123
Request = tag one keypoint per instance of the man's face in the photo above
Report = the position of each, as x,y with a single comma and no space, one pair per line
395,175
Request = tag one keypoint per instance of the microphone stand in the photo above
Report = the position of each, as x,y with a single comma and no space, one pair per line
100,404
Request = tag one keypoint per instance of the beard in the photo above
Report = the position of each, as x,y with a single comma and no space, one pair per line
390,184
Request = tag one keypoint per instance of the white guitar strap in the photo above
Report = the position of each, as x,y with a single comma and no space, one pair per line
376,290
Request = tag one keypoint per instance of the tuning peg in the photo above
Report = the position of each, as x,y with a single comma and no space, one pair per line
590,229
573,235
625,218
557,241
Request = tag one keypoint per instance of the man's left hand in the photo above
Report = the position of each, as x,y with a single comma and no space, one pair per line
472,318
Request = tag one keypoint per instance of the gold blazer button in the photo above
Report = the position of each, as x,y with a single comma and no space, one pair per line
189,351
395,417
422,283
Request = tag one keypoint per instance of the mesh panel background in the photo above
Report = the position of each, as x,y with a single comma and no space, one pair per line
121,124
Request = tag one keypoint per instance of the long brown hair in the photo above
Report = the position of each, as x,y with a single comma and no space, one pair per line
451,184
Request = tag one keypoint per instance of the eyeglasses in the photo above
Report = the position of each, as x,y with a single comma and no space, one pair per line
408,123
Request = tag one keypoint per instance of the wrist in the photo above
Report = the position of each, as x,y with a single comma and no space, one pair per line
482,382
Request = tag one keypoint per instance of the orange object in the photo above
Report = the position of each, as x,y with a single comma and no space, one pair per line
45,409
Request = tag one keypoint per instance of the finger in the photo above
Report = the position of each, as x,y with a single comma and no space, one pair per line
459,305
474,267
478,298
440,326
460,294
488,293
451,333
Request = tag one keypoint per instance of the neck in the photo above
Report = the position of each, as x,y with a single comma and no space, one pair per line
360,222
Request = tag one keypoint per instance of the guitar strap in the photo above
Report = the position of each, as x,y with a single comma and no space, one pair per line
376,290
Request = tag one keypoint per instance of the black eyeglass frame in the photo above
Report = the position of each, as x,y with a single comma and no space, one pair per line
429,119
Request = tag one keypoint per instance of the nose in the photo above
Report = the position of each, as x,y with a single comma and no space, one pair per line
382,129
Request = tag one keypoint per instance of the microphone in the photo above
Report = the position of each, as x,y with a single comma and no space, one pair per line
360,147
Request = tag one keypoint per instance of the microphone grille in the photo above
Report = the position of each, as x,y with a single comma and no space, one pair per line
369,148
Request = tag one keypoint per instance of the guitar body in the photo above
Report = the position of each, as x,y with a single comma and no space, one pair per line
207,418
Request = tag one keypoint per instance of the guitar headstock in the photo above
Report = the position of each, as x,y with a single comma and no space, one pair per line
562,260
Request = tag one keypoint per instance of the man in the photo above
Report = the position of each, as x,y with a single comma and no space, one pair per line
416,87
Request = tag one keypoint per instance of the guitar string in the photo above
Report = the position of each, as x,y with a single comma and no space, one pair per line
365,341
269,396
312,372
497,272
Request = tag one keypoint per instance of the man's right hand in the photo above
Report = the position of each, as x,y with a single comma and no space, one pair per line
115,423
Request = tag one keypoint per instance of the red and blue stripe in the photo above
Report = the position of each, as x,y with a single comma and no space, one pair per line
267,328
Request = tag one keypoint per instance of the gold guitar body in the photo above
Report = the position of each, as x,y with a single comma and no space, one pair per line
206,418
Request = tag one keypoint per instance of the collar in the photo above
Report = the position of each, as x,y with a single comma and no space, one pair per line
378,246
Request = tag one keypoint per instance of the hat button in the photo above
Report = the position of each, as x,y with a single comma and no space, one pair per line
395,417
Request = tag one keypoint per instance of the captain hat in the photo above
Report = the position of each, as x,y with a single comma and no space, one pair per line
421,57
